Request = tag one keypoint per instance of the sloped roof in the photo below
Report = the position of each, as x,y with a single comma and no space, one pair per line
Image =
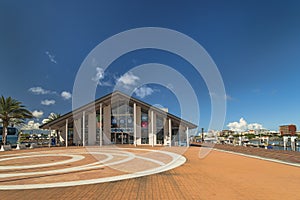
106,100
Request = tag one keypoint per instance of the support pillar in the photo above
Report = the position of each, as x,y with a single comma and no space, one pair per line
66,132
134,124
152,128
91,129
170,132
107,124
187,137
100,130
83,128
49,137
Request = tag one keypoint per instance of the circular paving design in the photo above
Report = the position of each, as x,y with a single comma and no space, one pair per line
74,167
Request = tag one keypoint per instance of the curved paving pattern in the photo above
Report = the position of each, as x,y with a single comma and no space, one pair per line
63,168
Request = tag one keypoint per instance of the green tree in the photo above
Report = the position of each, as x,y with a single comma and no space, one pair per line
52,117
12,112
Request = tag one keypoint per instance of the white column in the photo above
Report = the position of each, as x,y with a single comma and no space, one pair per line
170,132
91,128
285,141
152,127
66,132
49,137
187,137
83,128
100,119
134,124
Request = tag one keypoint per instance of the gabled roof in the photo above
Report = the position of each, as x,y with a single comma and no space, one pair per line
105,100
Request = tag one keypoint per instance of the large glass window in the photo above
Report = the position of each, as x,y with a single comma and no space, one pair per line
122,123
159,130
70,136
98,126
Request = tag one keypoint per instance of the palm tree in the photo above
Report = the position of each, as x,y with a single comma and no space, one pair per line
11,112
52,117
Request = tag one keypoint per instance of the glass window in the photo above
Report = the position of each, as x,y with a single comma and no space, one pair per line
10,131
144,127
159,130
122,122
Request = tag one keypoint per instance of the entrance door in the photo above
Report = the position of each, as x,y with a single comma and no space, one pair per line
120,138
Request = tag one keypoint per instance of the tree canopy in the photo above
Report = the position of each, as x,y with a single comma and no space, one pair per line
12,112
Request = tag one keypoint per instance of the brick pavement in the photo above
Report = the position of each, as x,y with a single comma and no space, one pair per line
287,156
217,176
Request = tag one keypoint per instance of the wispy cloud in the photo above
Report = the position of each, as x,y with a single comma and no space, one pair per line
128,80
66,95
99,78
40,90
227,97
48,102
37,113
143,91
51,57
99,75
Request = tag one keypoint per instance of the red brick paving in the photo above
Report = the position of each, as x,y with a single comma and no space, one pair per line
287,156
217,176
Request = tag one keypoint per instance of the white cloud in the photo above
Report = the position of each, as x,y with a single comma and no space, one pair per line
238,126
128,80
37,114
66,95
51,57
48,102
242,125
228,97
39,90
255,126
99,75
31,125
143,91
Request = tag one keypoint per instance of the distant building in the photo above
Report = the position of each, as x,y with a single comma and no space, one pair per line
287,129
225,133
252,132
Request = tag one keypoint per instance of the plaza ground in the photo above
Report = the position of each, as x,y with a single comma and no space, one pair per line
219,175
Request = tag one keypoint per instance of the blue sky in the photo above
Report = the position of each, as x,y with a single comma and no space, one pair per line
255,45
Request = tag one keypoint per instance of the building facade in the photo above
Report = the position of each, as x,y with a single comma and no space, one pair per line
289,130
120,119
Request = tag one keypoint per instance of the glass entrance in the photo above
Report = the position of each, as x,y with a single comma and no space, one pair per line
121,138
121,123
